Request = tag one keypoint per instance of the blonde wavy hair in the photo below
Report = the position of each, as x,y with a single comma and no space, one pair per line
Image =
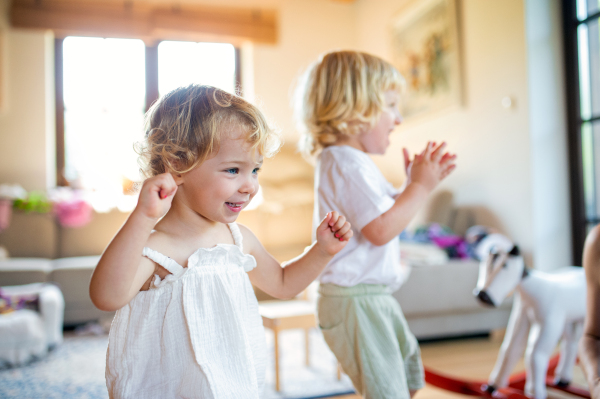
340,94
185,126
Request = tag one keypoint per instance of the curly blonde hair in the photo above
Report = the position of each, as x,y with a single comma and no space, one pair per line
185,126
340,94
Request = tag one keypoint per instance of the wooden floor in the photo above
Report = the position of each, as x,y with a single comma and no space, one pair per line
471,359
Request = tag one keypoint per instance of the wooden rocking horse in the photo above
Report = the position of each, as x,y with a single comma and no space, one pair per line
547,306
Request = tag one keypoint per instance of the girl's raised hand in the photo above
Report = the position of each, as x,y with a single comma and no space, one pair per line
432,165
156,196
333,233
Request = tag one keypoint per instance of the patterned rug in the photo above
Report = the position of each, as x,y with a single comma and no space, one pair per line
76,370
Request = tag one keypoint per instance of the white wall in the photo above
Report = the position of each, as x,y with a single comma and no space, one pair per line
26,119
307,29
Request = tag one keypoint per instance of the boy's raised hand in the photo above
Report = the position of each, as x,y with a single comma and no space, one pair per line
407,165
333,233
432,165
156,196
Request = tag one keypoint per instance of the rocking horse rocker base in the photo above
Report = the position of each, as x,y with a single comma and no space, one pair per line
515,389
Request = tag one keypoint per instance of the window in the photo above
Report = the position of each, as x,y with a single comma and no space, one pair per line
104,86
582,54
104,99
182,63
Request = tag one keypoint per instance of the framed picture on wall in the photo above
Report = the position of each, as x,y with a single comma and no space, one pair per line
425,49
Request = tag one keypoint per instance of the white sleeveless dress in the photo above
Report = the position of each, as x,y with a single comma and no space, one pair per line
195,334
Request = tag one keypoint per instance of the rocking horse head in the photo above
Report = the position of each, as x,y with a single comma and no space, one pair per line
499,274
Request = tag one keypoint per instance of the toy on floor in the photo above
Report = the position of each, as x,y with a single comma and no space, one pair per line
547,306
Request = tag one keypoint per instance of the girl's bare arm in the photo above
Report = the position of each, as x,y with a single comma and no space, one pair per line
286,282
122,270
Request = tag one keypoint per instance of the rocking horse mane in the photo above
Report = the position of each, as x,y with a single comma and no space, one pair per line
516,252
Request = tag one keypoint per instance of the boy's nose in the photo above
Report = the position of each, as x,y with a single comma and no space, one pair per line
398,119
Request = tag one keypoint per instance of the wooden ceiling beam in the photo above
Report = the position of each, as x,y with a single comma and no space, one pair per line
146,21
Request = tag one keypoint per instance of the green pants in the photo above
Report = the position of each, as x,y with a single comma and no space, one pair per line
366,330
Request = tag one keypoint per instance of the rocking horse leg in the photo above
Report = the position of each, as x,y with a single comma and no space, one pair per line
542,341
513,346
563,374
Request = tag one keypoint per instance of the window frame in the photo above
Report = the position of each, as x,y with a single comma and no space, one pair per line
151,62
579,218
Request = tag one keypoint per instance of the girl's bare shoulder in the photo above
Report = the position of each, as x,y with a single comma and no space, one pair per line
159,241
169,245
250,240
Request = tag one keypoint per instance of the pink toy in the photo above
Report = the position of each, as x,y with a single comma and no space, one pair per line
5,213
74,213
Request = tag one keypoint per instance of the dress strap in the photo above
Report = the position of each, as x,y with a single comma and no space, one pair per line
173,267
237,234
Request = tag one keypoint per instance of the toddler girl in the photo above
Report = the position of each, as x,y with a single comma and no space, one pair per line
348,108
180,269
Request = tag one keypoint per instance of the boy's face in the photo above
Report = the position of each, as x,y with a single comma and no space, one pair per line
224,184
376,139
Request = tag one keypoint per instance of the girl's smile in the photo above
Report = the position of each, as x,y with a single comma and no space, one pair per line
235,207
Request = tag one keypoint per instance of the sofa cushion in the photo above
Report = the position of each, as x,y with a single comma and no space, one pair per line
19,271
73,276
440,289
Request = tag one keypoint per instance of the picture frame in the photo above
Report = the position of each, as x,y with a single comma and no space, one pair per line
426,51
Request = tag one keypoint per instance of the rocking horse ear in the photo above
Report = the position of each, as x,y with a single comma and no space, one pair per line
515,251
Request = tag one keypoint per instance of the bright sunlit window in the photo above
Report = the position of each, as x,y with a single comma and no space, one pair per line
104,86
104,97
182,63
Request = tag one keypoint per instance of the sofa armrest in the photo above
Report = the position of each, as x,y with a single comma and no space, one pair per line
51,307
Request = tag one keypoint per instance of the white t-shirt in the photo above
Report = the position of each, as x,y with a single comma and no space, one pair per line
348,181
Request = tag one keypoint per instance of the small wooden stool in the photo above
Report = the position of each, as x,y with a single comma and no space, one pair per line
285,315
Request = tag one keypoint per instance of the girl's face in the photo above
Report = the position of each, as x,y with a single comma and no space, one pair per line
220,187
376,139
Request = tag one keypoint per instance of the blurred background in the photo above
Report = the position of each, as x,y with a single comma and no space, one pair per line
513,87
77,76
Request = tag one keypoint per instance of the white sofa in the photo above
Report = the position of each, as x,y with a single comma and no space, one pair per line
438,302
437,298
71,275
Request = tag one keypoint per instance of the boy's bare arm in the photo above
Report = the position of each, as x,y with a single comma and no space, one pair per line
589,346
427,170
390,224
287,282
